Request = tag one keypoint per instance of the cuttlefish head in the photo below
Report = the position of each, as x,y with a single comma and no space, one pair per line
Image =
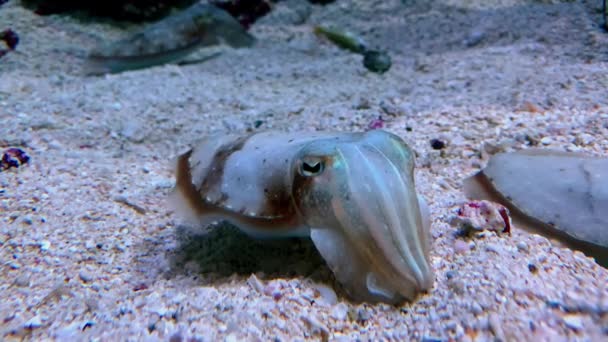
358,198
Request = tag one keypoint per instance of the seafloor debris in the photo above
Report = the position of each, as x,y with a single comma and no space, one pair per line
559,194
377,61
373,234
245,11
13,157
170,40
11,39
376,123
373,60
437,144
477,216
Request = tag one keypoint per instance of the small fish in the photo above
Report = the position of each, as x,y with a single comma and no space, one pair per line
353,194
342,39
169,40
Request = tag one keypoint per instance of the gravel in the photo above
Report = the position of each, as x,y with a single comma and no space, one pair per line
91,249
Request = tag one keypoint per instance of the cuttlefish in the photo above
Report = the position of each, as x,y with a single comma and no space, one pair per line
562,195
353,194
169,40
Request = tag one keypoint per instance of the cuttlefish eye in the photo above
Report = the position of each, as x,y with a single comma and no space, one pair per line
311,168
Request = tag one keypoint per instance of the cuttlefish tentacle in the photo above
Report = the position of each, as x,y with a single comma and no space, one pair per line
353,193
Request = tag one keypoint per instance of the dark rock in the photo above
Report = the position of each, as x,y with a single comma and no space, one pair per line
377,61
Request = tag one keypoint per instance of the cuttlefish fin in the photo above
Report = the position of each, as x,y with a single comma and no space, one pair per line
348,268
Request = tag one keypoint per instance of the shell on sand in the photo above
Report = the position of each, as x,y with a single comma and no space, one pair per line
559,194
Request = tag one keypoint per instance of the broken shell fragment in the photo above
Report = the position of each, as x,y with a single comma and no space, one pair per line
477,216
558,194
352,193
13,157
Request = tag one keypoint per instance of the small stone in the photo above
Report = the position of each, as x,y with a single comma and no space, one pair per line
457,285
363,315
494,248
546,141
45,245
316,327
430,339
231,338
522,246
89,244
258,123
573,322
584,139
23,280
327,295
476,309
33,323
339,312
177,337
255,283
273,290
377,61
496,326
437,144
85,277
461,246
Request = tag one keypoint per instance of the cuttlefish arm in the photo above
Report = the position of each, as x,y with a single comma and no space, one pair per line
353,193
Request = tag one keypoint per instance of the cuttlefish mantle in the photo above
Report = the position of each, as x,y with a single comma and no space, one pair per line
353,194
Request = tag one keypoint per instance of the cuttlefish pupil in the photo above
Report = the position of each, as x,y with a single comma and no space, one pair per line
353,194
312,168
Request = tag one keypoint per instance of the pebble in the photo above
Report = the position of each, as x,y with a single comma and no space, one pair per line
85,277
461,246
457,285
546,141
522,246
273,290
494,248
327,295
23,280
584,139
316,326
231,338
33,323
45,245
573,322
339,312
476,309
255,283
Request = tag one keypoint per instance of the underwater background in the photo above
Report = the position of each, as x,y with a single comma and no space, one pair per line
98,101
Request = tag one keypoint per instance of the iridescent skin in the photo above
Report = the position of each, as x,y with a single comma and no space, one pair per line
352,193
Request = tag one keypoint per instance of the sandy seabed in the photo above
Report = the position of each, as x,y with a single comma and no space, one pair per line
90,250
